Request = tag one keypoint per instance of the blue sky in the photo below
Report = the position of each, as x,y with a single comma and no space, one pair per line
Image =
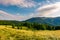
25,9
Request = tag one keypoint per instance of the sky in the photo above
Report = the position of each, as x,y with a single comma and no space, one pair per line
24,9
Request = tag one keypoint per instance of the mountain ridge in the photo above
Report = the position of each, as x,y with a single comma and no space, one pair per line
41,20
46,20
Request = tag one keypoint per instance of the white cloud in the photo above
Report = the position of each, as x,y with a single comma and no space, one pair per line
7,16
18,3
51,10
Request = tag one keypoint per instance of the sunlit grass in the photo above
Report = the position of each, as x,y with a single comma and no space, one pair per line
7,33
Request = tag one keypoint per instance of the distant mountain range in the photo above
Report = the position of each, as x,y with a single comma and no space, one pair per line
46,20
42,20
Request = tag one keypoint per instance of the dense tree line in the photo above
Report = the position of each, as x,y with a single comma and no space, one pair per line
34,26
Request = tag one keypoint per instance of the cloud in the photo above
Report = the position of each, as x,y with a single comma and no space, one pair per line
8,16
18,3
51,10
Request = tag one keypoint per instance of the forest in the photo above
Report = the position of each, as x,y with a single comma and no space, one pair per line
28,25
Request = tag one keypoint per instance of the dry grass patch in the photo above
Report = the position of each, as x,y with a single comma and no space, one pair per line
7,33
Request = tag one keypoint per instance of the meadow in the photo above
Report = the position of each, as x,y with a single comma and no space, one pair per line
8,33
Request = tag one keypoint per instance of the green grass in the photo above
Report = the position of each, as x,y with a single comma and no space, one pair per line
7,33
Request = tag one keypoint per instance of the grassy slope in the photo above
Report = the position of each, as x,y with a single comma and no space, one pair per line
14,34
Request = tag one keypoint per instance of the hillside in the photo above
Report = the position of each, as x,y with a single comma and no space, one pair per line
46,20
29,25
14,34
8,22
41,20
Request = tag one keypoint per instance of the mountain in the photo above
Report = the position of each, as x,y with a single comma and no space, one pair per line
41,20
46,20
